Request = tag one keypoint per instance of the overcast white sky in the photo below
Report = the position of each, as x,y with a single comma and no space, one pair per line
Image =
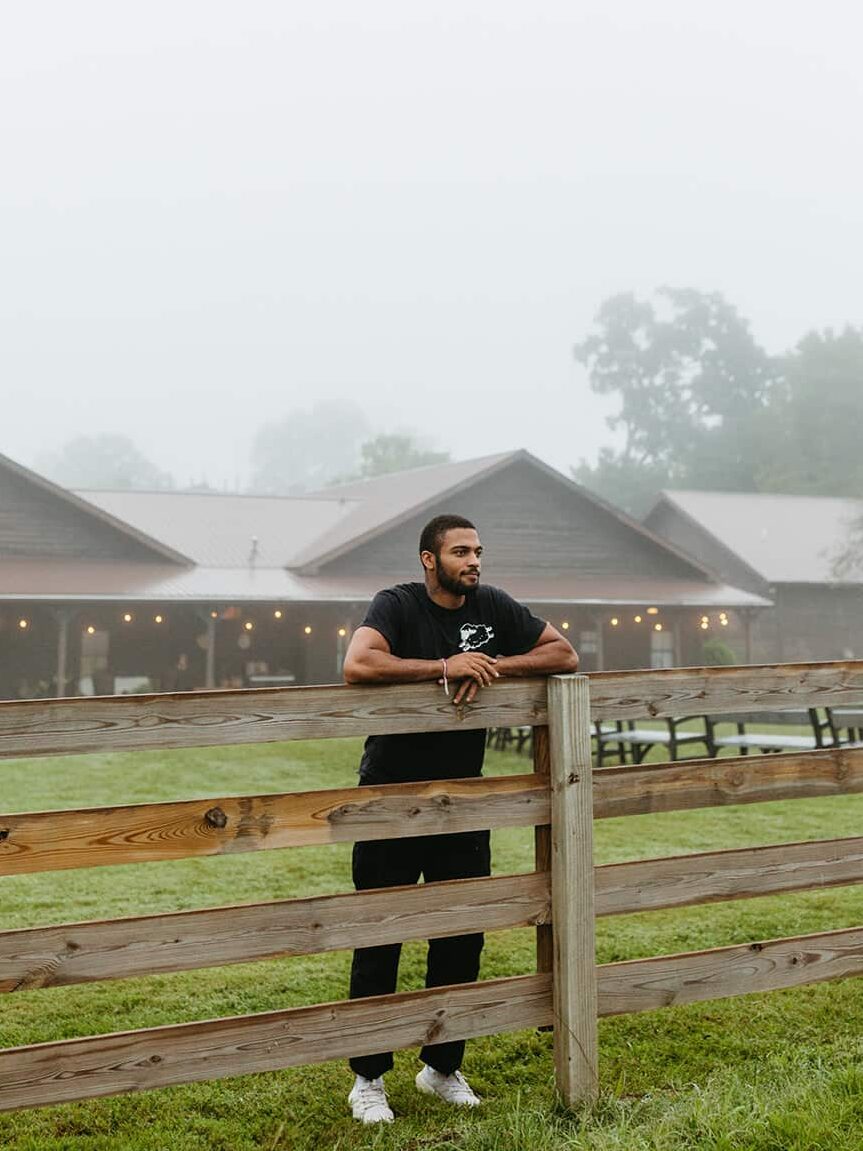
212,212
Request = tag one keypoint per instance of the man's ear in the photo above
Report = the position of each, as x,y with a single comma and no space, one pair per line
427,559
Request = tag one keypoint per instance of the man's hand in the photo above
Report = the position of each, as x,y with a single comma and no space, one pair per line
475,670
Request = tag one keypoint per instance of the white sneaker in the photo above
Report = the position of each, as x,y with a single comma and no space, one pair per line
451,1088
368,1100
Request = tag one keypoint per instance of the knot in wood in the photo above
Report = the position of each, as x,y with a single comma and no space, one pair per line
443,800
573,777
756,946
215,817
4,833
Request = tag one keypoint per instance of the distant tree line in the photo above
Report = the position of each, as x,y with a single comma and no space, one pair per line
302,451
701,405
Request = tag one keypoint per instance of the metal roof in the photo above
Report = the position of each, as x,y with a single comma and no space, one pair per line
90,582
784,539
217,530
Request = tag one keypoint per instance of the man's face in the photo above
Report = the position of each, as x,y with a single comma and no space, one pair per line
457,563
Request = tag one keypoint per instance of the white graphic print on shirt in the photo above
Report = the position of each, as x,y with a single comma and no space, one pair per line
475,636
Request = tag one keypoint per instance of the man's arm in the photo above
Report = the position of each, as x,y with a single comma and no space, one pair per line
370,660
552,653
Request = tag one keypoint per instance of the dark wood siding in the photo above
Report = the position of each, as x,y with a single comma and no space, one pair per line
531,525
34,522
811,622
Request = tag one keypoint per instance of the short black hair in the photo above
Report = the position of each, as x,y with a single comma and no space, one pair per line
434,531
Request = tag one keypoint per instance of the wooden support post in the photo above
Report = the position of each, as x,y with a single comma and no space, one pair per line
63,617
542,851
210,663
572,886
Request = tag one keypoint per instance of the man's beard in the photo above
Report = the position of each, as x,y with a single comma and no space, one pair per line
453,586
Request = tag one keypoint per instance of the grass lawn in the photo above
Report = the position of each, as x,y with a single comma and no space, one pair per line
776,1072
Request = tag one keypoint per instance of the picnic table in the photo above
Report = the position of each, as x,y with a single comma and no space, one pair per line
631,740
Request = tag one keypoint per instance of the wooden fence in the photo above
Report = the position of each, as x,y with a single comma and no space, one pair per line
561,898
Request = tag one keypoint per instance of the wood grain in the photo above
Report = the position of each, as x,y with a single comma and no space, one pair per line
191,1052
259,715
675,692
576,1058
711,876
691,783
90,837
671,980
184,940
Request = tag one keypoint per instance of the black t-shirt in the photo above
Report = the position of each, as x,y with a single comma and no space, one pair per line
416,627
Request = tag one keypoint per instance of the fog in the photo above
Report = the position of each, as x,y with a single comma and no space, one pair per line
211,213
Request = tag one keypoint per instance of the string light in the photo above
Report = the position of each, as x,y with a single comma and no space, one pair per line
704,625
277,614
614,621
91,630
724,622
158,619
127,617
343,631
657,627
23,624
307,629
653,611
565,625
214,615
248,625
637,619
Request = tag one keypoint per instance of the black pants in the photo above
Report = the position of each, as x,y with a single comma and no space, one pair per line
388,863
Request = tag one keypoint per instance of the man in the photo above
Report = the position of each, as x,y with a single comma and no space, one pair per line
451,630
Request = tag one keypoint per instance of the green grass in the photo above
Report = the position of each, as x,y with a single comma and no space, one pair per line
777,1072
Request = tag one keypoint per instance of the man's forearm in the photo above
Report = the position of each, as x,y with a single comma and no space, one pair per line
382,667
547,659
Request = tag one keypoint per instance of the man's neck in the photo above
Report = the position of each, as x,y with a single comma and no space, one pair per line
443,598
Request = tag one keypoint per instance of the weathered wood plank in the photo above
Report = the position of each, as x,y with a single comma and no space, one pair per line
191,1052
576,1057
711,876
207,718
677,692
182,941
691,783
671,980
542,850
200,719
90,837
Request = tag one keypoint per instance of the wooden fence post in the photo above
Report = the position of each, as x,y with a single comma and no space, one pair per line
572,888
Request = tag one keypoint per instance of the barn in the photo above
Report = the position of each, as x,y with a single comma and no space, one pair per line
117,591
784,548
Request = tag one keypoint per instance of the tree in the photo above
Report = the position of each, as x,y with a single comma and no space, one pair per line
396,452
107,461
814,442
693,386
308,448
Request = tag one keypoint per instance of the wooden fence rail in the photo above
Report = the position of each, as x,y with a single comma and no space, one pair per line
562,898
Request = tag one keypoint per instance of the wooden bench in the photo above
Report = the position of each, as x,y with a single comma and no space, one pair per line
824,733
625,736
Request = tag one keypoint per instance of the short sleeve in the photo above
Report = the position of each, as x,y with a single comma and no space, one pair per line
520,628
384,615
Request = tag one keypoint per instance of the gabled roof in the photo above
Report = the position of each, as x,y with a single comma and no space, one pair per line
70,499
228,531
782,538
386,501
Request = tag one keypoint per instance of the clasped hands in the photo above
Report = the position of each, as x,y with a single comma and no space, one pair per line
475,670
